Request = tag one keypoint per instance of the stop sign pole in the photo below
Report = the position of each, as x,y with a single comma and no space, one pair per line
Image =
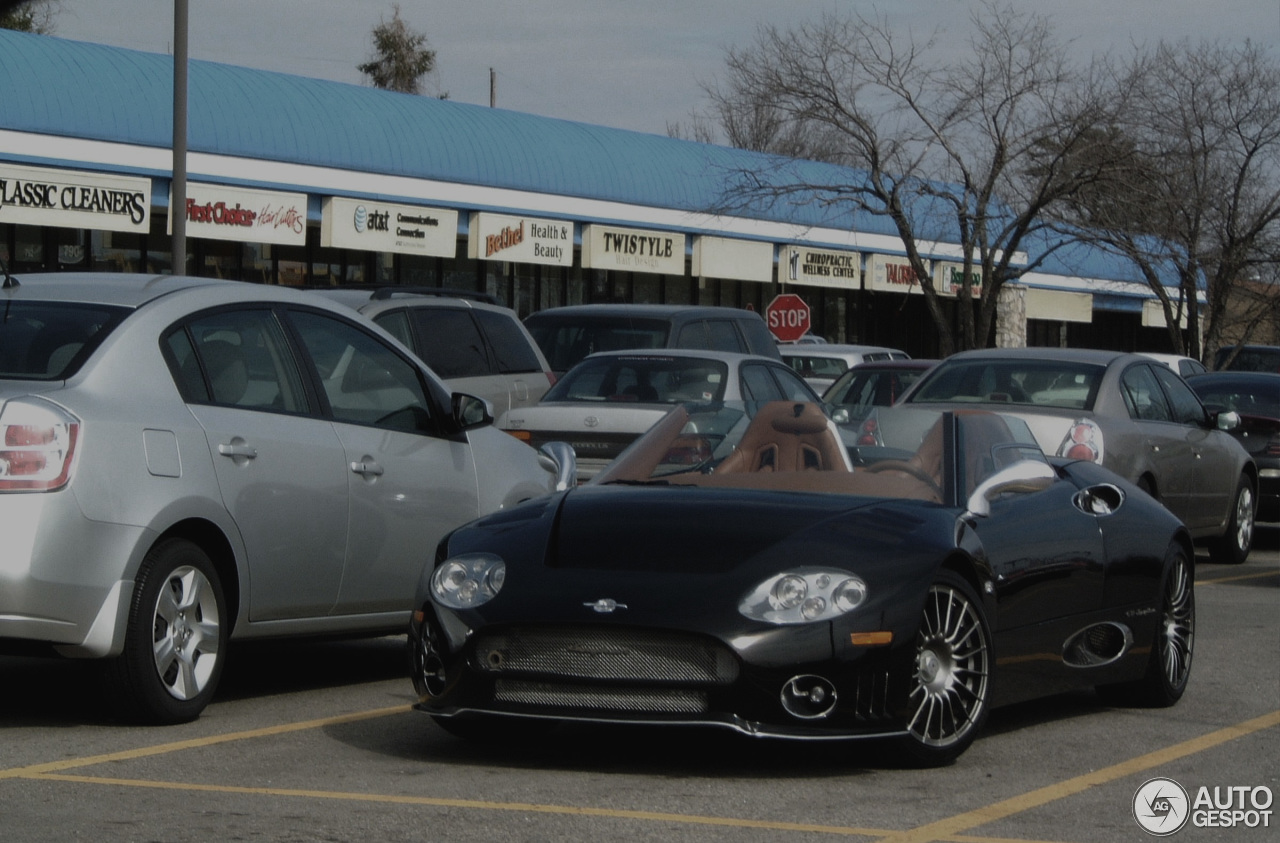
787,317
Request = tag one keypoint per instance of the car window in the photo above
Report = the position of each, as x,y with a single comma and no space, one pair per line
450,342
758,384
1186,406
47,340
817,367
564,342
512,353
1048,383
364,381
793,387
668,380
237,358
1143,396
723,336
396,323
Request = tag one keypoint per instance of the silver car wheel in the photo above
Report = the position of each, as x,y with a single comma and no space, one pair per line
949,689
1179,625
1244,519
185,633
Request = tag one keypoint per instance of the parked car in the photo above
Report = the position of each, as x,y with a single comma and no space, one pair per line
779,587
1125,411
1179,363
606,401
568,334
1248,358
869,385
186,461
1255,396
820,365
473,343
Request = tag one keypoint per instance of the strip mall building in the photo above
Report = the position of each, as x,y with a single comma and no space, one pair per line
303,181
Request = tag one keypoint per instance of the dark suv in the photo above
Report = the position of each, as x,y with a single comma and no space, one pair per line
568,334
1248,358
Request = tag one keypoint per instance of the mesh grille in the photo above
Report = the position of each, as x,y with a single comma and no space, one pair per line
608,654
646,700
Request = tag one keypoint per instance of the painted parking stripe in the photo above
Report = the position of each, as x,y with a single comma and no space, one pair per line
1237,577
951,829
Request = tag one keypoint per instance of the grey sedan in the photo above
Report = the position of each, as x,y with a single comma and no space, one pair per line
185,461
1128,412
606,401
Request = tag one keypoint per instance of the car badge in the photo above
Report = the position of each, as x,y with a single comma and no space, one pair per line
591,421
605,605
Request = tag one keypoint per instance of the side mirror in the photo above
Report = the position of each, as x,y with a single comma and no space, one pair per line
1229,420
1022,476
560,459
839,415
470,412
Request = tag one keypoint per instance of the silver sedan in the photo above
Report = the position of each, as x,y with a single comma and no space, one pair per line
186,461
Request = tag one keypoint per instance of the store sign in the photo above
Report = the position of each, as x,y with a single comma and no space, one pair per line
632,250
822,268
739,260
1058,305
888,274
373,226
948,279
496,237
70,199
219,212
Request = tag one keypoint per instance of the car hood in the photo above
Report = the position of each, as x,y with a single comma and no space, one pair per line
586,417
664,552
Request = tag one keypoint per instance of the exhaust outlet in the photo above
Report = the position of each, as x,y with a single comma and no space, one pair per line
808,697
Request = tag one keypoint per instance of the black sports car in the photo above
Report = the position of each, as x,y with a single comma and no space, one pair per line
758,572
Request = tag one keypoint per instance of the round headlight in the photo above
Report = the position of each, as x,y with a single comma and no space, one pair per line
804,595
468,580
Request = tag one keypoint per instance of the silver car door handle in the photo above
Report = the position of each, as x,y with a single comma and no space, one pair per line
367,468
238,450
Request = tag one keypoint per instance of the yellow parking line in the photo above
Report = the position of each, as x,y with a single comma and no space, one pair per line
1253,576
947,829
195,743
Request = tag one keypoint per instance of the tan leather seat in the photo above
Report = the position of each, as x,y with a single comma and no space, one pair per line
787,436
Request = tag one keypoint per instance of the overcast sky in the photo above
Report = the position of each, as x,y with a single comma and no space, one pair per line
622,63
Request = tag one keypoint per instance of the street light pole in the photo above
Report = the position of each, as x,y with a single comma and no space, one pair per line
178,200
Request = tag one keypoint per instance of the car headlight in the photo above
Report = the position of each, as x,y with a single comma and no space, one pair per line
468,581
805,595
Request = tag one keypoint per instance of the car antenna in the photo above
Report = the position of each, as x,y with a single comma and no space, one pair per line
9,281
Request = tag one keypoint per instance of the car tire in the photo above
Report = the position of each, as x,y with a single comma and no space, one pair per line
950,685
175,642
1233,546
1173,644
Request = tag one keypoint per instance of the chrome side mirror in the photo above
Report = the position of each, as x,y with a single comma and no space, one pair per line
1229,420
560,459
470,412
1021,476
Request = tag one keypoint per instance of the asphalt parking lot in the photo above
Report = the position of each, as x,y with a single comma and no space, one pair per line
316,741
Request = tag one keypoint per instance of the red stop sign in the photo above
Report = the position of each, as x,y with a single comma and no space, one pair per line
787,317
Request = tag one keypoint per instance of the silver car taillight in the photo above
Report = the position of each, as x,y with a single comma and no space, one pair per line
37,444
1083,441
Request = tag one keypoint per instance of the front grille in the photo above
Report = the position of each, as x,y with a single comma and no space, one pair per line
641,700
607,654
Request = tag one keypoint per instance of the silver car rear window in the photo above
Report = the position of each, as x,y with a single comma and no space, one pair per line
47,341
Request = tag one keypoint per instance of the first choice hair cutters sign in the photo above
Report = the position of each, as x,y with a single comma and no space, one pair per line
217,212
70,199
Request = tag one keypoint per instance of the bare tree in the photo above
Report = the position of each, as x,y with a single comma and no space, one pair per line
1202,198
401,57
969,153
29,15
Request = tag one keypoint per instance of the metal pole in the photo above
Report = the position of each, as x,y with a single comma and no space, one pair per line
178,200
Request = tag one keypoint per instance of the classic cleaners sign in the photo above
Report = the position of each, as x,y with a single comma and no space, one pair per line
218,212
382,227
633,250
495,237
70,199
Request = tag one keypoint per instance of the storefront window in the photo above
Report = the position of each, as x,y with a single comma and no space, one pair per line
218,258
256,265
291,266
115,251
160,246
28,248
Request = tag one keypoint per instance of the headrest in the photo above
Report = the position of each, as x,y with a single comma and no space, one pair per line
796,417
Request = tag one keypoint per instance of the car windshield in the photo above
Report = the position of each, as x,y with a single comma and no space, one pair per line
937,456
565,342
1041,383
654,380
859,390
1247,397
47,341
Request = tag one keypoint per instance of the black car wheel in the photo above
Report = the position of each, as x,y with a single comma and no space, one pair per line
1233,546
950,687
1169,666
176,638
